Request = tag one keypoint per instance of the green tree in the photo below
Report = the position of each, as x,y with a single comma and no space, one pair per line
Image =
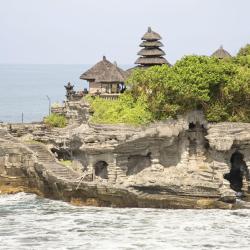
237,96
194,82
244,51
221,88
243,56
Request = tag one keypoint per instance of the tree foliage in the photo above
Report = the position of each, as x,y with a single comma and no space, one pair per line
243,56
123,110
221,88
194,82
244,51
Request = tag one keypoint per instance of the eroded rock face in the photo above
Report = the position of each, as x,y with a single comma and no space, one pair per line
179,163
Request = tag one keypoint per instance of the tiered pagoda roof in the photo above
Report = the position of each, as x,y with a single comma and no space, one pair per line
221,53
151,54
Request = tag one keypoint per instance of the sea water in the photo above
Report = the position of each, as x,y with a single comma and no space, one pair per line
24,89
30,222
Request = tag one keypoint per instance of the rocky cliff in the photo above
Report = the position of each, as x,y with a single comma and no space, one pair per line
183,163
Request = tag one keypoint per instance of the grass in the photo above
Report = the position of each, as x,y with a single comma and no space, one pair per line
66,163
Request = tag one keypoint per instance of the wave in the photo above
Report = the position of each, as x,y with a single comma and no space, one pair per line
31,222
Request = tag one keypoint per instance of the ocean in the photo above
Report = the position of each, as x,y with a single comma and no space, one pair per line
29,222
24,89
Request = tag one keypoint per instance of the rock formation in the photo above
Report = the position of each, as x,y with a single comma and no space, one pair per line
173,164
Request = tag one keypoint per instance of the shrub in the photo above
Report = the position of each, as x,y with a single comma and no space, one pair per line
56,120
123,110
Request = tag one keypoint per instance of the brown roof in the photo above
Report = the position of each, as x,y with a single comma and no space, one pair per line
150,35
151,52
221,53
151,61
151,44
104,71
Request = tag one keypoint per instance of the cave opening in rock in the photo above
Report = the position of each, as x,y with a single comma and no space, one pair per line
191,126
61,153
237,172
101,169
137,163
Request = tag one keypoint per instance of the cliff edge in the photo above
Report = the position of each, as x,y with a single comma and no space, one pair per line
183,163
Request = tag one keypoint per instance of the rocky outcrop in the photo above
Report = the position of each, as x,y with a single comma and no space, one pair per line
225,135
173,164
77,111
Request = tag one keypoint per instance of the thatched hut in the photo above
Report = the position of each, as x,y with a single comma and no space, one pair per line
105,78
221,53
151,53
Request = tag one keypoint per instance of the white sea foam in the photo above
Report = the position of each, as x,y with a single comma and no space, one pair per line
30,222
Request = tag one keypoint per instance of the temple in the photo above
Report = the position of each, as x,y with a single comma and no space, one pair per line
151,54
105,78
221,53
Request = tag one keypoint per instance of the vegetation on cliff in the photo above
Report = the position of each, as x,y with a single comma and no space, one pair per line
125,109
243,56
55,120
221,88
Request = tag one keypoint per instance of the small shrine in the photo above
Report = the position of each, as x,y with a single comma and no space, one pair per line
69,91
73,95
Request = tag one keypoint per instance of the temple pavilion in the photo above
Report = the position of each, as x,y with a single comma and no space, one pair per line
105,78
221,53
151,53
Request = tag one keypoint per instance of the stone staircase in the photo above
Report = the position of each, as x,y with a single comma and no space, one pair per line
42,154
50,163
6,136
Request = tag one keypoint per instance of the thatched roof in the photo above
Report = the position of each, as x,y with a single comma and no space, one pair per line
104,71
150,35
151,61
221,53
151,52
151,44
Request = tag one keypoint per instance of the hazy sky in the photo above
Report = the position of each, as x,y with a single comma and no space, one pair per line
82,31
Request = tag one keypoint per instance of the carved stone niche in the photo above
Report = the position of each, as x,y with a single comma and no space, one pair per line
170,155
101,165
137,163
101,169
